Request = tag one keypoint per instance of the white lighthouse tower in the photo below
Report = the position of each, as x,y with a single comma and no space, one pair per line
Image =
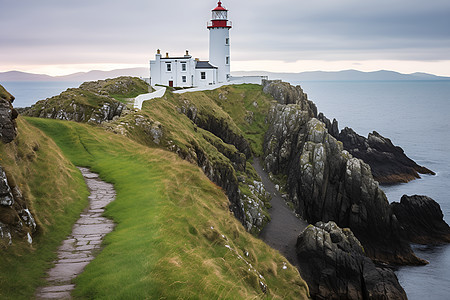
219,42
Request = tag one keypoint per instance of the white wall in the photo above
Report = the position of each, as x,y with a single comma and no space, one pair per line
219,50
211,77
160,75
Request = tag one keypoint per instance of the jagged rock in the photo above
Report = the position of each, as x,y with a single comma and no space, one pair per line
333,263
388,162
15,217
331,126
422,220
325,183
8,114
284,93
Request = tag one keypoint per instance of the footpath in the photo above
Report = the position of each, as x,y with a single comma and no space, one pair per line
87,235
282,231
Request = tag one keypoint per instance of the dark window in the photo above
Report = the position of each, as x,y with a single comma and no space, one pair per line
227,60
183,67
169,67
227,41
203,75
183,78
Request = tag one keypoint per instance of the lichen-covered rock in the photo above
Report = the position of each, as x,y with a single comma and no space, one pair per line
284,93
325,183
15,217
8,114
388,162
333,263
422,220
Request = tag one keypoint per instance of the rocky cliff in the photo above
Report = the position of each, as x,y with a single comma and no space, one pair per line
333,263
8,114
388,163
421,218
15,216
325,182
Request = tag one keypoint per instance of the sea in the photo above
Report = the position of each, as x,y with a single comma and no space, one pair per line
413,114
29,92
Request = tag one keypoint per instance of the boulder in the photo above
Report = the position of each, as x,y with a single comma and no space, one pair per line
333,263
421,219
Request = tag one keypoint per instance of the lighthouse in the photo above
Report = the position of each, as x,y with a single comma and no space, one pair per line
219,42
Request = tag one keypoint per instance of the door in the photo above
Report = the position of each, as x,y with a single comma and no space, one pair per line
171,83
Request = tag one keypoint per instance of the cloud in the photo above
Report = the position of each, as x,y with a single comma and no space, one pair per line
129,32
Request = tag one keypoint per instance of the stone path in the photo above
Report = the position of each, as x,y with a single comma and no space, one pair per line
158,93
84,241
282,231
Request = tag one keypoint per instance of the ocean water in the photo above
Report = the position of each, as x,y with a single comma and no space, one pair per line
28,92
415,116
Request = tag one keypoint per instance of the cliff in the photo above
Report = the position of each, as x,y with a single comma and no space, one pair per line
325,183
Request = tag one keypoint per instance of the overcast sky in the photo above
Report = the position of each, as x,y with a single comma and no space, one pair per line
63,36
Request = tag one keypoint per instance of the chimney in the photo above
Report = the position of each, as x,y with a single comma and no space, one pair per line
197,59
187,53
158,51
167,54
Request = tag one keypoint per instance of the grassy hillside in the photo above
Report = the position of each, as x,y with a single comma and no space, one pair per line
175,237
56,194
214,129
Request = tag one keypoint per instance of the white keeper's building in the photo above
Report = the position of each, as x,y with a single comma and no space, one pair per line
186,71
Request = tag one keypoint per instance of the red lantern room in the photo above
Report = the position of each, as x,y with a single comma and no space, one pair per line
219,17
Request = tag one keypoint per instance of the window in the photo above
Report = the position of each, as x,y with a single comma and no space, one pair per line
203,75
169,67
183,78
227,60
227,41
183,67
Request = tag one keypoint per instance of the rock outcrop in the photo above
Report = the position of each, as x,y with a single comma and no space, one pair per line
325,183
388,162
77,105
8,114
333,263
15,216
422,220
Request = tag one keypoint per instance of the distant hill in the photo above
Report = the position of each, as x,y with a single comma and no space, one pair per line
80,77
348,75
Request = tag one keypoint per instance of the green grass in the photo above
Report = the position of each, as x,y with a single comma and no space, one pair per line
56,194
175,237
248,107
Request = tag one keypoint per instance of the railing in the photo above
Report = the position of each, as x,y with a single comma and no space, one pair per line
219,23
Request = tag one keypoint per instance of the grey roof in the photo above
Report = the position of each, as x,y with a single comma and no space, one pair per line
204,65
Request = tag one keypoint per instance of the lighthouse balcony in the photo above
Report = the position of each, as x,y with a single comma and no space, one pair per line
219,24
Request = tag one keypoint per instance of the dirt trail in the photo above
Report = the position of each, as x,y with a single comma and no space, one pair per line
83,243
282,231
